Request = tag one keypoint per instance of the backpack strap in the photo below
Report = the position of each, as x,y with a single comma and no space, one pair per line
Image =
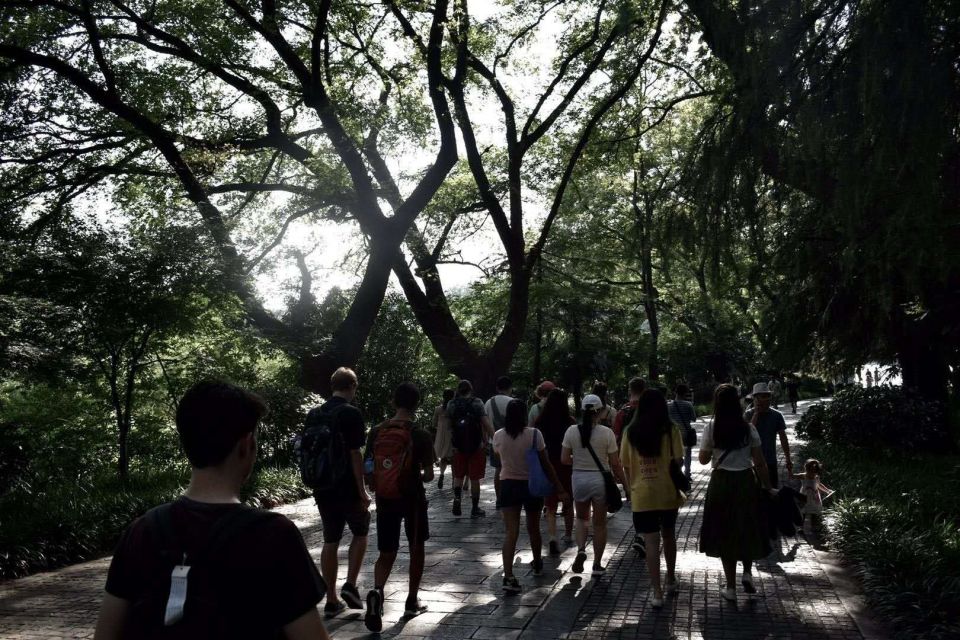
497,416
161,523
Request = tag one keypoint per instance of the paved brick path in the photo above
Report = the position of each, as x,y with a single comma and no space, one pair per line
461,586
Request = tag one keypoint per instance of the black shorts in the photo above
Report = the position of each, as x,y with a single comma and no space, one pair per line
336,514
389,516
655,521
515,493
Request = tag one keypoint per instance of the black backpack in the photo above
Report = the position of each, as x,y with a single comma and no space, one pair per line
205,612
467,427
320,451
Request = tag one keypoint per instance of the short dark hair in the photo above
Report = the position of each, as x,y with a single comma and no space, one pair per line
464,388
681,390
637,385
504,383
407,396
212,417
448,395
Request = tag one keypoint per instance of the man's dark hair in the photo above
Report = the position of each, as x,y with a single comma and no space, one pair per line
637,385
681,390
212,417
504,383
407,396
464,388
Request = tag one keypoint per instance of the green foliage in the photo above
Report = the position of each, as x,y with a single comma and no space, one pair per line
80,520
874,417
896,518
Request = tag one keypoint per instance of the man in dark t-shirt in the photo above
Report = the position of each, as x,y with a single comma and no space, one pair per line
205,565
410,510
347,504
771,426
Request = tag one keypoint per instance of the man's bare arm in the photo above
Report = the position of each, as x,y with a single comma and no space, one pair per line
113,616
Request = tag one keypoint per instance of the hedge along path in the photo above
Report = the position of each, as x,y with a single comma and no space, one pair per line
805,595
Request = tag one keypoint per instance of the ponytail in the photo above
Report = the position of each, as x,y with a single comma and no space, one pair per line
586,426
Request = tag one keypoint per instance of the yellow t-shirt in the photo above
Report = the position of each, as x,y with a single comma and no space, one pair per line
651,488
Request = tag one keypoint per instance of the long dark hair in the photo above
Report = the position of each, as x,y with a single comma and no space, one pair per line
600,390
515,420
650,421
586,426
554,419
730,430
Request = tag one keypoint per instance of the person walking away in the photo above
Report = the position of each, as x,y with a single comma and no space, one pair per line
591,449
512,442
635,389
774,387
683,414
205,565
496,409
471,432
771,426
651,440
402,458
443,441
553,423
540,392
732,528
793,393
608,412
345,503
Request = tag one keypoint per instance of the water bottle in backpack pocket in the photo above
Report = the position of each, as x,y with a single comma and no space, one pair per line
392,459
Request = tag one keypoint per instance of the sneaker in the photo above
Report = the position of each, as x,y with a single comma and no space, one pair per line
332,609
730,595
374,616
747,582
414,608
578,562
456,508
639,545
671,587
477,512
598,571
657,603
351,596
554,548
537,565
511,585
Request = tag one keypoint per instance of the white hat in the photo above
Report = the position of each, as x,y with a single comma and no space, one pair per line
761,388
591,400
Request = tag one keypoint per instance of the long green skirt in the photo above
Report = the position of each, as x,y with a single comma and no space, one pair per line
732,524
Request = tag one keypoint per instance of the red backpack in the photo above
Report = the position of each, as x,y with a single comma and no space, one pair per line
392,459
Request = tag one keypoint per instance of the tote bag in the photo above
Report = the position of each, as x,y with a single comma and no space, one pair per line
538,483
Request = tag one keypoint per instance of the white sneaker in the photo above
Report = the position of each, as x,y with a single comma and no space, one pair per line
656,603
730,595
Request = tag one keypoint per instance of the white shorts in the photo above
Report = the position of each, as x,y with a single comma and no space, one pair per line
588,486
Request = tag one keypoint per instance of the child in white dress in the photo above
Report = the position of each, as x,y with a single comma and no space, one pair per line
814,491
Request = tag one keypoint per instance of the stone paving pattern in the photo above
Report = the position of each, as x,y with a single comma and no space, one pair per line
462,587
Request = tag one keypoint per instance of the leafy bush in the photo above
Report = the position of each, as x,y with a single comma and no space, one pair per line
76,522
901,529
879,416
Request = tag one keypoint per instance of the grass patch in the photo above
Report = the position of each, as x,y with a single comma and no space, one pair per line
896,517
44,530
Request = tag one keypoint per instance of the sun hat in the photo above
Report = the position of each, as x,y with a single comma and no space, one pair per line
591,400
544,388
762,389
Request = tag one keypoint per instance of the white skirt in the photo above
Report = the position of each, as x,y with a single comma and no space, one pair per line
588,486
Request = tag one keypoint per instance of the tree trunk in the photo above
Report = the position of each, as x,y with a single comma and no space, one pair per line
644,223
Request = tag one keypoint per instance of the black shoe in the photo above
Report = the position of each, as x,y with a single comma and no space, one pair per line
456,508
511,585
578,562
414,608
537,565
332,609
477,512
747,582
351,596
554,548
374,617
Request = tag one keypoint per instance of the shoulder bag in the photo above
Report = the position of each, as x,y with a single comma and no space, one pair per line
676,473
614,499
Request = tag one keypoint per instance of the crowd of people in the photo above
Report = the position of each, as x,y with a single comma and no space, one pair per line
247,573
